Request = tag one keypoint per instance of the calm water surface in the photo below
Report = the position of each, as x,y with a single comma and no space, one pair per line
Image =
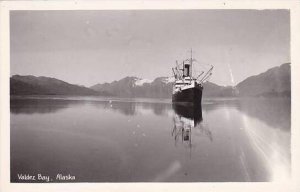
140,140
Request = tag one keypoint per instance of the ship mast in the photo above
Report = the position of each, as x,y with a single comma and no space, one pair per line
191,63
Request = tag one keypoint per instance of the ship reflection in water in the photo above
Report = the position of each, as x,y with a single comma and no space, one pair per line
149,140
187,119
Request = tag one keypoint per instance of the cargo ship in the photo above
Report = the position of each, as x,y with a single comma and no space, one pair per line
187,88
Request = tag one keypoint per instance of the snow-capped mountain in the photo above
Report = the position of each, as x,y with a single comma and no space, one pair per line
166,80
141,82
138,87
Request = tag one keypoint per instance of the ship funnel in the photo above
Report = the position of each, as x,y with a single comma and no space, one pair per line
187,72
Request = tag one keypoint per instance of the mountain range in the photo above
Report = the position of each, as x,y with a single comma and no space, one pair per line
31,85
274,82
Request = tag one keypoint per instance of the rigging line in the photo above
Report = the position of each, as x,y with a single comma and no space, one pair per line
207,78
200,75
209,71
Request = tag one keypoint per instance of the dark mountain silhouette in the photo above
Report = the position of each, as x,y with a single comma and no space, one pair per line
274,82
31,85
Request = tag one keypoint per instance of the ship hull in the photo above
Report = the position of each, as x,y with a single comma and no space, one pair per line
191,96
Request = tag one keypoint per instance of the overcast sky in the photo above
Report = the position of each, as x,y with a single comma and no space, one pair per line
89,47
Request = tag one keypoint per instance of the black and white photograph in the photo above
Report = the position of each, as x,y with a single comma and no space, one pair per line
150,96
